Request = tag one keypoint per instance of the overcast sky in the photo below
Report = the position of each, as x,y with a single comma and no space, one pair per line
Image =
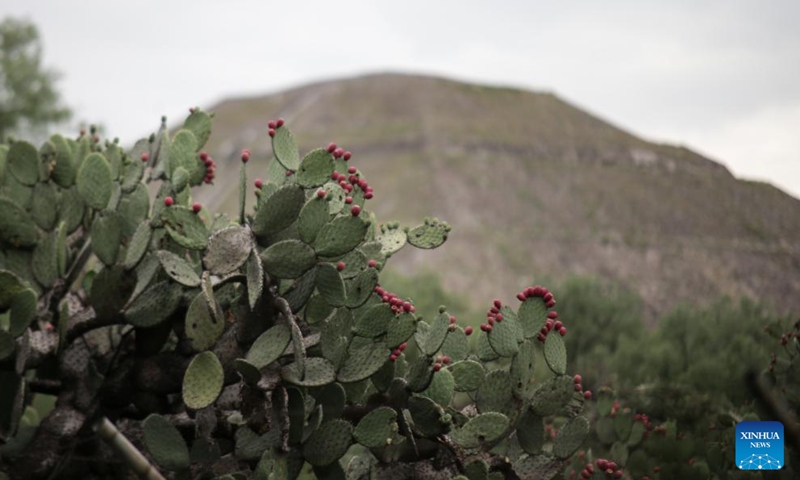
722,77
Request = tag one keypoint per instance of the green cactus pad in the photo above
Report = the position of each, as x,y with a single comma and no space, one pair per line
200,326
436,334
318,372
538,467
336,197
373,321
45,204
134,171
468,375
199,123
165,443
456,345
23,311
340,236
523,370
255,279
362,362
605,430
552,395
636,434
332,398
279,211
62,251
376,427
180,179
530,432
249,373
106,235
330,285
503,338
315,169
23,162
300,291
16,226
249,446
317,310
64,169
312,217
420,374
427,416
71,212
532,316
10,286
477,470
555,353
269,346
288,259
7,345
494,394
138,245
485,428
570,437
154,305
203,381
182,151
441,388
619,454
185,227
329,443
400,329
94,181
360,288
133,208
285,149
430,235
622,426
355,263
392,240
45,260
178,269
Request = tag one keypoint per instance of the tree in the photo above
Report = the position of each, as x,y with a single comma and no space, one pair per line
28,97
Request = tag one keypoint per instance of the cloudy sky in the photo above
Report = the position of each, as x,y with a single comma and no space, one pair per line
722,77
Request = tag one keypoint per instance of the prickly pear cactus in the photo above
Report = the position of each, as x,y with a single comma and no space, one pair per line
261,346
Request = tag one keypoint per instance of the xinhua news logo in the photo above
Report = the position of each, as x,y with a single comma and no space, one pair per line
759,445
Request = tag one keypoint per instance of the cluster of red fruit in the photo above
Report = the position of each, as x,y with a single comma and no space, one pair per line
210,166
273,124
398,304
339,152
538,291
493,316
606,466
398,351
353,178
452,326
196,206
441,360
578,380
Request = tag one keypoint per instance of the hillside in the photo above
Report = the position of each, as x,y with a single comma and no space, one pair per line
535,189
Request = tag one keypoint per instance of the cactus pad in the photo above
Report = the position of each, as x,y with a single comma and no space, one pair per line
532,316
315,169
227,250
400,329
522,370
332,398
468,375
376,427
427,416
360,287
436,334
552,395
441,388
555,353
138,245
23,311
372,321
314,214
199,123
430,235
255,279
279,211
178,269
420,374
45,260
285,149
494,394
504,338
362,362
16,226
154,305
23,162
185,227
530,432
570,437
165,443
201,327
288,259
318,372
482,429
330,285
456,345
45,204
249,373
269,346
329,443
392,240
94,181
340,236
203,380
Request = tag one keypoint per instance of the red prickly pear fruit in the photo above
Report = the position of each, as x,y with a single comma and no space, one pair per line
562,331
259,183
490,321
356,210
204,156
347,155
341,266
402,346
550,304
348,188
547,297
578,387
372,263
552,314
521,296
342,183
331,147
272,125
602,463
348,200
618,474
446,359
587,394
577,379
245,156
321,193
497,304
271,132
468,331
483,327
585,474
368,196
393,357
407,307
542,337
544,330
452,320
437,367
196,207
338,153
612,465
529,292
145,157
558,325
489,328
289,173
499,317
538,291
169,201
279,123
335,175
352,170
